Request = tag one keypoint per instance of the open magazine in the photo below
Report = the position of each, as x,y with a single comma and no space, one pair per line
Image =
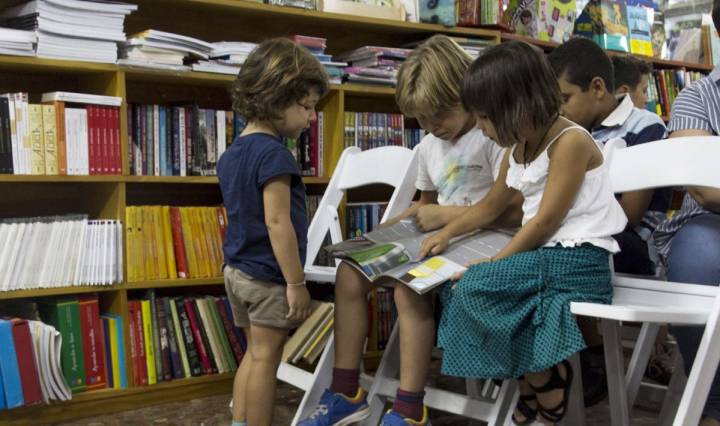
392,252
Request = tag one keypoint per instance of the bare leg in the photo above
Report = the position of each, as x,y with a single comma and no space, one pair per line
266,351
417,337
240,382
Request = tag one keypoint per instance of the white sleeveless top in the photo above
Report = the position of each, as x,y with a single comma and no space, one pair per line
594,216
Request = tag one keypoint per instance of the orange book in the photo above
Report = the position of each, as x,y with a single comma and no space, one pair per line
168,243
159,242
199,240
179,243
188,241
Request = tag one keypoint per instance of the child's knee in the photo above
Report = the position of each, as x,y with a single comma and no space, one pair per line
407,300
349,283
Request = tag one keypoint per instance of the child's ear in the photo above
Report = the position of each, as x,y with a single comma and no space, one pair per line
598,87
623,89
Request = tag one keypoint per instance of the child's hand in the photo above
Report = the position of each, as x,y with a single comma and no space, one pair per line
430,217
459,275
434,245
298,302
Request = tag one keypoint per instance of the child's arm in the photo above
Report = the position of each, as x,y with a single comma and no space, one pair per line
570,159
276,201
480,215
426,198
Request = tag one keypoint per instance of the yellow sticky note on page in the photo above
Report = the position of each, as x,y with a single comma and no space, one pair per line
427,268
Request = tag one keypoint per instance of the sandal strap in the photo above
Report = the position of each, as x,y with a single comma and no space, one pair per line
527,411
555,414
556,381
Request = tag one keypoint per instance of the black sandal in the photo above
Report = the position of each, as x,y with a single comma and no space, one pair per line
555,414
526,410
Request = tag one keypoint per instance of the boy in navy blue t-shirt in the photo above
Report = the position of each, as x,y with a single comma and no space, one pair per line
276,91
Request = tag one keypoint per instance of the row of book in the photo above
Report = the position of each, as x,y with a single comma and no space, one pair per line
665,85
373,129
179,337
363,218
30,372
179,140
69,134
308,149
59,251
168,242
382,314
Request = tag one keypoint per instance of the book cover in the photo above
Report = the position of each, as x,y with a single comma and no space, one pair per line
26,360
229,332
556,19
180,344
197,337
93,342
112,377
220,330
64,315
615,25
209,329
149,342
196,366
9,369
176,368
639,21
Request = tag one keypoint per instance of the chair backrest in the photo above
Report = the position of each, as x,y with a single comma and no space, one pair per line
691,160
391,165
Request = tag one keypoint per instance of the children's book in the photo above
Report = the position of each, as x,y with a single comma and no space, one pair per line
615,25
640,18
521,17
392,252
556,19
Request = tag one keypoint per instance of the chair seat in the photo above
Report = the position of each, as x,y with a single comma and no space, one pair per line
638,312
323,274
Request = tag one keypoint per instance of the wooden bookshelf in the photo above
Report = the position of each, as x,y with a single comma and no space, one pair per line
107,197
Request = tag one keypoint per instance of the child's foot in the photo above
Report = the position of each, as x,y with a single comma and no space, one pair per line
525,410
336,409
553,395
393,418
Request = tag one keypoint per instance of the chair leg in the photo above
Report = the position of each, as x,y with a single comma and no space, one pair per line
619,410
321,381
673,394
576,405
389,368
474,389
504,403
639,360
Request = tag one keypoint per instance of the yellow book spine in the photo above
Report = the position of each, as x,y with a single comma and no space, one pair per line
168,242
114,353
320,337
139,252
149,348
217,237
50,139
37,144
209,231
199,243
188,241
151,271
130,242
159,242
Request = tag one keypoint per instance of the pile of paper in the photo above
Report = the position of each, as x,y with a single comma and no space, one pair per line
81,30
17,42
226,57
163,50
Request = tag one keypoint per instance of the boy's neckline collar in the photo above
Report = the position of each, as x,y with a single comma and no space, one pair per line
620,114
270,135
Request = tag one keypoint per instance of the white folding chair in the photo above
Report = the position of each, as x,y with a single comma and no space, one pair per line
682,161
391,165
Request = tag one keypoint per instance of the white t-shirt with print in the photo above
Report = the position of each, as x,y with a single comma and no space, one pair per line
461,172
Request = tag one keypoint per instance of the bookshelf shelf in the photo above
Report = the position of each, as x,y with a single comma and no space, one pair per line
657,63
100,402
31,63
61,179
190,282
56,291
368,90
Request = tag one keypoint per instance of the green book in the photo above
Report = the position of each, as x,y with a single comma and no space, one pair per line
64,315
179,338
217,322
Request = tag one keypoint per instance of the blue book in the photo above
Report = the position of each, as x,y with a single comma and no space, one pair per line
2,395
9,370
121,351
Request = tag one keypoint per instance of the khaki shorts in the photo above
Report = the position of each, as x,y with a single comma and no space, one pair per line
256,301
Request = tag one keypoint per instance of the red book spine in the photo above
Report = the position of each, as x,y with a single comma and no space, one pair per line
25,353
92,143
314,147
178,245
132,305
93,342
228,326
104,141
141,365
115,132
195,327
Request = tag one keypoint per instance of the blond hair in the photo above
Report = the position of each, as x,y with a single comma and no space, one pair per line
430,79
274,76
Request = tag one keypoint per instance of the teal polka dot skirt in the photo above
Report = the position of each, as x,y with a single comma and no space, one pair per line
512,316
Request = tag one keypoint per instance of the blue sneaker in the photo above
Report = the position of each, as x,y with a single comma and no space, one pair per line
392,418
335,409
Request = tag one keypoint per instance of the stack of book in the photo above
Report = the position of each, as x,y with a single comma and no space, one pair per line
181,337
317,46
30,372
180,140
59,251
167,242
374,64
68,134
72,29
226,57
17,42
163,50
308,341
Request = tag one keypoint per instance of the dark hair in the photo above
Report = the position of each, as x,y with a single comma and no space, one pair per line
716,15
629,70
275,75
579,60
513,85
